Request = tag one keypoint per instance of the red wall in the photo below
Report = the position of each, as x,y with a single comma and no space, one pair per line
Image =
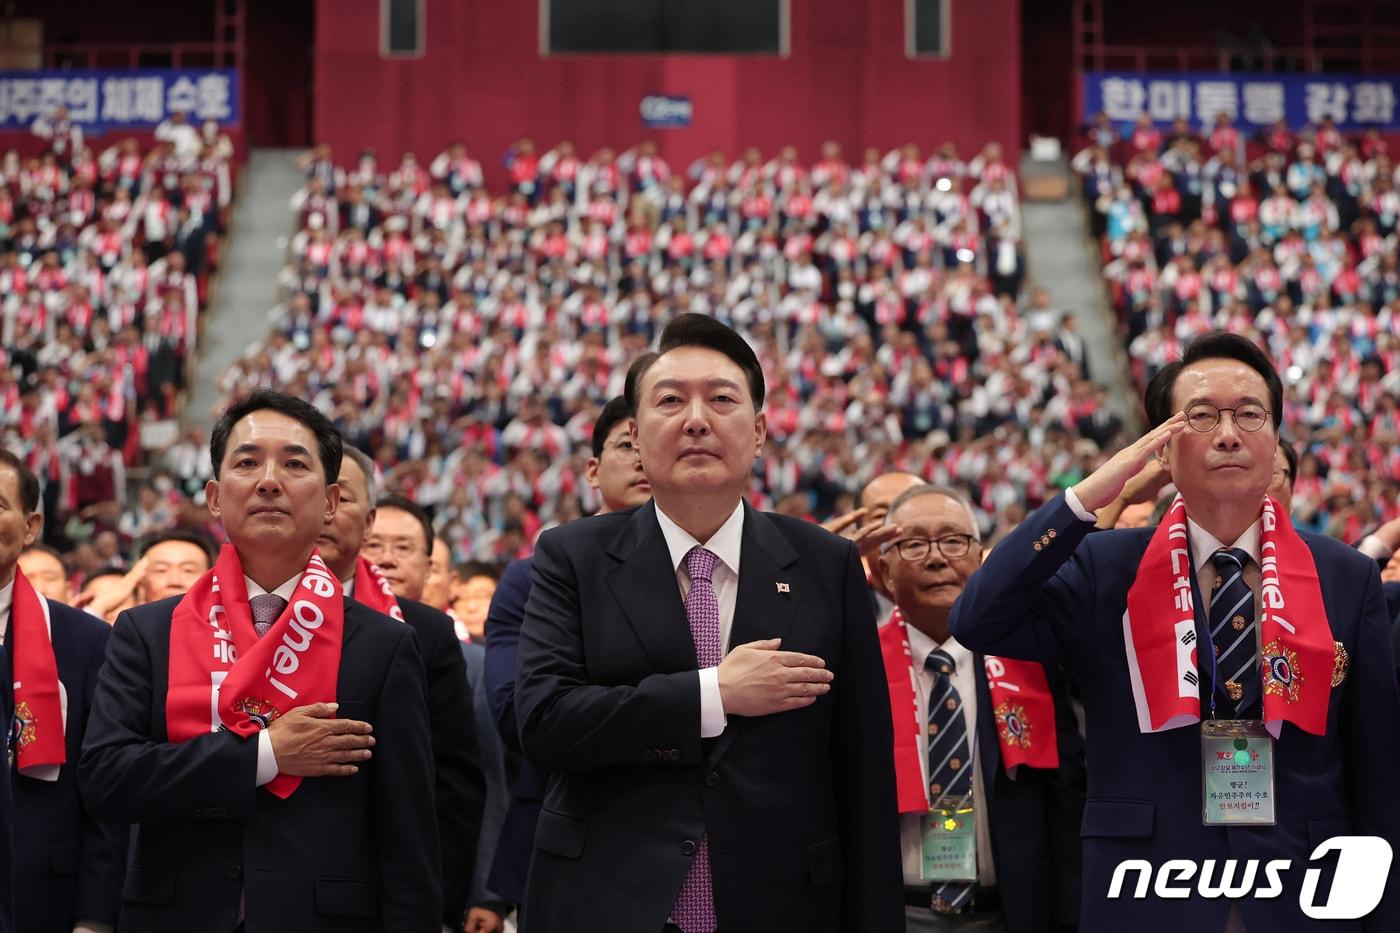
483,80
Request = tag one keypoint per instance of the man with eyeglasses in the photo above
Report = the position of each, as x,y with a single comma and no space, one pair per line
359,540
988,759
1237,676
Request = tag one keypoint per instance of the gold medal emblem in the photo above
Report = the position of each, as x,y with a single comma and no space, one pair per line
1341,664
1217,584
1235,689
935,789
1238,623
933,728
955,763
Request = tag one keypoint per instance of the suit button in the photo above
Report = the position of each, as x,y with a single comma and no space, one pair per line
687,848
236,872
712,780
648,754
673,754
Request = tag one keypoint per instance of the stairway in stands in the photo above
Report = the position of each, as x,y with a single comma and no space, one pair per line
246,288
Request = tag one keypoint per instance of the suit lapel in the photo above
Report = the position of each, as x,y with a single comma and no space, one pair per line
644,584
988,743
762,609
352,624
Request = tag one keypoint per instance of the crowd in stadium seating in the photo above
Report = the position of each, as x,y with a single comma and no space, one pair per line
467,338
105,259
1290,239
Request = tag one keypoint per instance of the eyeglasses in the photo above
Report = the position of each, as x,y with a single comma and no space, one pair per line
402,550
1249,417
950,546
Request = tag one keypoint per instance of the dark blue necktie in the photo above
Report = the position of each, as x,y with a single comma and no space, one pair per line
1232,633
949,760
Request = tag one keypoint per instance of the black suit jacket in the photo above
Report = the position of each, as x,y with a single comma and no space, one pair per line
460,782
798,807
68,866
1034,820
7,814
511,863
341,854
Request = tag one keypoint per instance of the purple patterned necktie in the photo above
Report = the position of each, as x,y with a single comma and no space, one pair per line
265,608
694,911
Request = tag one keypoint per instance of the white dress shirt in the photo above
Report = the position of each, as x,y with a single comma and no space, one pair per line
964,681
267,762
724,544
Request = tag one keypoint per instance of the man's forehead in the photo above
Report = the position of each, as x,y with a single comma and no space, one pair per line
177,552
40,562
695,365
1219,379
395,522
934,510
885,489
266,426
352,476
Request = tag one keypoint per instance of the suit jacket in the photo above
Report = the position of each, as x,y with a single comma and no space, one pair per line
517,835
1061,600
460,783
7,810
493,766
68,866
798,808
341,854
1034,819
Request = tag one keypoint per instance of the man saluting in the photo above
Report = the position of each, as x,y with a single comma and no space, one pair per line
268,736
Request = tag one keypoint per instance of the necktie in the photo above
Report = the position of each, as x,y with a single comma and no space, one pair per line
694,911
949,760
1232,632
266,608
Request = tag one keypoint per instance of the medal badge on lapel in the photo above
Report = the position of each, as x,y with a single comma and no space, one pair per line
1281,675
1341,664
1012,725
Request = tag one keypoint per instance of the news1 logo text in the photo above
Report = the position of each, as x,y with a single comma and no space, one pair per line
1358,878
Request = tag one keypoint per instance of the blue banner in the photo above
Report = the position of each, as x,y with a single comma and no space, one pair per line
660,111
1252,101
129,99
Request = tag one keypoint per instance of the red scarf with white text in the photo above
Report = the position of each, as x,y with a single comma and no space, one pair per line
255,680
1159,629
39,715
1021,701
374,591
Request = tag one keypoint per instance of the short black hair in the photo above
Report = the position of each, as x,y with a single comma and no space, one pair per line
404,504
616,411
1213,346
477,568
1290,456
328,441
28,482
197,538
699,330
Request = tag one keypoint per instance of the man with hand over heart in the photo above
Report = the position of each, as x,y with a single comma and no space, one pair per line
269,736
1238,686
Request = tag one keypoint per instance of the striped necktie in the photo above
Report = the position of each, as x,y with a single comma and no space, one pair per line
949,761
1232,634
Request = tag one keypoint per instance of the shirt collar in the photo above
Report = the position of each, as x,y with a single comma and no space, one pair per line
1204,544
7,599
724,543
921,646
285,590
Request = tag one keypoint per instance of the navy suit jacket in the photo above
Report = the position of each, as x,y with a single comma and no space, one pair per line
517,833
1061,600
493,766
355,854
68,866
1034,820
460,780
798,808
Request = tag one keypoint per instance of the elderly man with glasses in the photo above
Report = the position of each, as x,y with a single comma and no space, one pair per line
988,758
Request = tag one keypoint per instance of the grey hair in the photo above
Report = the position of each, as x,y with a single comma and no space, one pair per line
933,489
366,466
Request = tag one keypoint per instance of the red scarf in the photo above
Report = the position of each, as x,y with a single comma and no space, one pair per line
374,591
1159,629
1021,701
40,714
212,639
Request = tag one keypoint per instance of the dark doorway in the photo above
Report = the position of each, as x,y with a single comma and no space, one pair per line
278,72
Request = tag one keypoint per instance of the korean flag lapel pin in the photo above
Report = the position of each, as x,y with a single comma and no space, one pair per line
783,587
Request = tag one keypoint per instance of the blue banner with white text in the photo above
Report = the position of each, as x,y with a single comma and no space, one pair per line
112,100
1251,101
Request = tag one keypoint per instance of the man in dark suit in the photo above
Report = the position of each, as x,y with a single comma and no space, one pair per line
1025,788
459,782
265,804
1320,694
68,866
692,787
7,814
616,472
